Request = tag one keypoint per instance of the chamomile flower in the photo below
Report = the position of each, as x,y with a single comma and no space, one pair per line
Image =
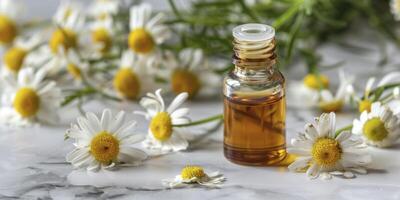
162,135
30,98
368,99
10,11
66,9
102,9
330,103
102,35
322,153
395,8
190,73
146,33
14,58
379,127
306,94
128,80
195,175
65,37
105,142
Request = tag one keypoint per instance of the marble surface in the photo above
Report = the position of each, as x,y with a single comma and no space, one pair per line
32,166
32,160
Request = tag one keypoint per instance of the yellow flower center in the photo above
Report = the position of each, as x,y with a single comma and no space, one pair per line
326,152
74,71
140,41
161,126
190,172
183,80
26,102
14,58
331,106
364,105
104,147
316,82
375,130
8,30
62,37
102,37
127,83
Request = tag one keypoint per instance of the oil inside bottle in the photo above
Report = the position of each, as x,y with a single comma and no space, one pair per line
254,132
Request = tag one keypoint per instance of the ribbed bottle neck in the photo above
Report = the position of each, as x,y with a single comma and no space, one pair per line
254,46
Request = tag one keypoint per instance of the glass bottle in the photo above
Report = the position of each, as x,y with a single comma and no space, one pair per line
254,99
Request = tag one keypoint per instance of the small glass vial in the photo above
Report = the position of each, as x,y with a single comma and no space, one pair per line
254,99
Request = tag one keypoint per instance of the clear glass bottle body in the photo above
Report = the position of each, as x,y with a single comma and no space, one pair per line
254,110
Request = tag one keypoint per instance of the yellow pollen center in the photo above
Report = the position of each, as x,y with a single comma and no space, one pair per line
126,83
74,71
62,38
364,105
8,30
331,106
14,58
375,130
140,41
183,80
190,172
161,126
26,102
326,152
104,147
101,36
316,82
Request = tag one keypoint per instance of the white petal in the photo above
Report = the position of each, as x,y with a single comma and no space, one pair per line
106,120
313,171
177,102
181,112
299,164
311,132
343,136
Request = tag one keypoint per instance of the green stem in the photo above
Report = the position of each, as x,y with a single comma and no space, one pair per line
175,9
248,11
202,121
384,87
346,128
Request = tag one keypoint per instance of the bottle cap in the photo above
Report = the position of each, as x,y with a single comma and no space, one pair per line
253,32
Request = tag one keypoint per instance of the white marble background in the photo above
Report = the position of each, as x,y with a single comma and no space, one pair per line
32,161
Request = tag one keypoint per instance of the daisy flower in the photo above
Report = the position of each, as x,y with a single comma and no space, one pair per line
131,78
105,142
365,103
66,35
192,175
189,73
64,38
102,9
162,135
102,35
321,153
330,103
146,33
306,94
379,127
395,8
14,57
30,98
10,12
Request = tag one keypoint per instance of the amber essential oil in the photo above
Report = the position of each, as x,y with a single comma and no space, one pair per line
254,100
